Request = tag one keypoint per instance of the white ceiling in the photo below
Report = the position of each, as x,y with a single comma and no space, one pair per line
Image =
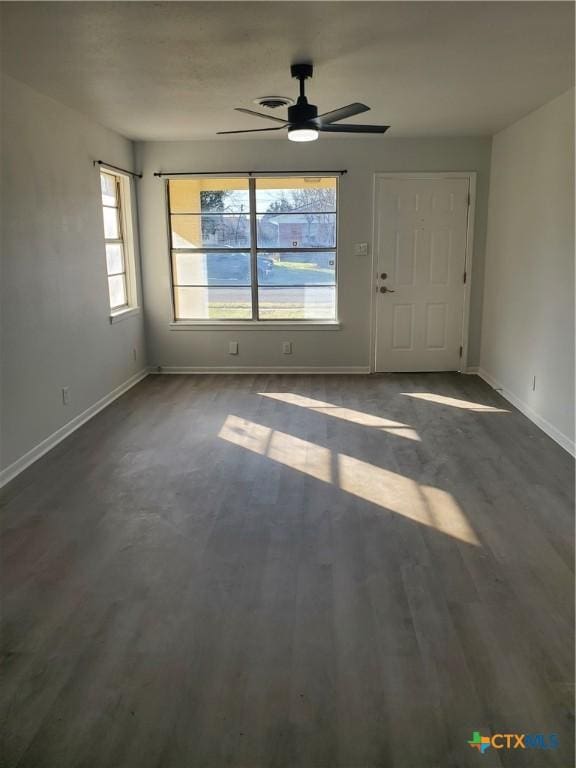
174,70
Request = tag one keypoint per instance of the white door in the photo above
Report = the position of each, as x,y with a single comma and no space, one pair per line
421,260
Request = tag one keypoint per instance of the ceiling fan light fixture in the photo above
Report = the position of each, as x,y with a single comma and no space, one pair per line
303,133
303,121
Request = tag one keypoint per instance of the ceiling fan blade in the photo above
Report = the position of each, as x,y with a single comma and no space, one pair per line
259,114
353,128
251,130
342,113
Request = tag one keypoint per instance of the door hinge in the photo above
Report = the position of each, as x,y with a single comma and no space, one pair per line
464,276
461,350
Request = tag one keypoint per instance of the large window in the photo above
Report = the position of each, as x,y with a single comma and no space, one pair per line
118,240
253,249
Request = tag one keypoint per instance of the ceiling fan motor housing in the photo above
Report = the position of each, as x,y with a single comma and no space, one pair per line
302,112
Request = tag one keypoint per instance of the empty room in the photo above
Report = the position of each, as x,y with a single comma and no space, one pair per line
287,385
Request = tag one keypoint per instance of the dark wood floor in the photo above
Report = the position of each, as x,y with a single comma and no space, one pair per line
290,571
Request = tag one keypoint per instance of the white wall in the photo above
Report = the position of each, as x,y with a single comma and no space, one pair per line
528,317
349,346
55,312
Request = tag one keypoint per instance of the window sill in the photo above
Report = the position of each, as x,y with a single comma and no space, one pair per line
251,325
122,314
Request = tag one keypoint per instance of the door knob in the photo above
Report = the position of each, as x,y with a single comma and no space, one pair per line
383,289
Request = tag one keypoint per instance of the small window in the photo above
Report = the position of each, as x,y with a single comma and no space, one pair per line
253,248
118,240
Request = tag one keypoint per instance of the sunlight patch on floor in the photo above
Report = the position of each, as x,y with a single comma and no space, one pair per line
246,433
466,405
389,490
347,414
446,515
312,459
423,504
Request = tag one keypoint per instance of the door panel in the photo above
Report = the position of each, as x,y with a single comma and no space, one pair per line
436,336
421,255
403,326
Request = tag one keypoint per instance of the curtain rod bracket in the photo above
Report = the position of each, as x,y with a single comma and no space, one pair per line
116,168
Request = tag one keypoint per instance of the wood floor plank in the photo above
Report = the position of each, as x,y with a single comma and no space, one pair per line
273,571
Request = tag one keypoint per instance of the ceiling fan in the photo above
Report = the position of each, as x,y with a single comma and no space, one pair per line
304,123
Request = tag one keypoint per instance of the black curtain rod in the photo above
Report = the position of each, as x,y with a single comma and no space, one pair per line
115,168
250,173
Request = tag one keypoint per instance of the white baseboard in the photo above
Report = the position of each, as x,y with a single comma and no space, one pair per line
56,437
168,369
540,421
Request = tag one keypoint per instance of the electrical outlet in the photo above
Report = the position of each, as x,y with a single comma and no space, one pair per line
65,395
233,348
286,347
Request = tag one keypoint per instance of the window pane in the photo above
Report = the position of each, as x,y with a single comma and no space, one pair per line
295,194
213,303
297,303
211,231
211,268
295,268
209,195
114,258
109,189
297,230
111,226
117,289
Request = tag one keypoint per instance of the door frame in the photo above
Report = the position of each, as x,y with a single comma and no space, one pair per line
471,176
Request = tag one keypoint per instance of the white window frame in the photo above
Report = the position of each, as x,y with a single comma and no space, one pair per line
254,250
126,239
